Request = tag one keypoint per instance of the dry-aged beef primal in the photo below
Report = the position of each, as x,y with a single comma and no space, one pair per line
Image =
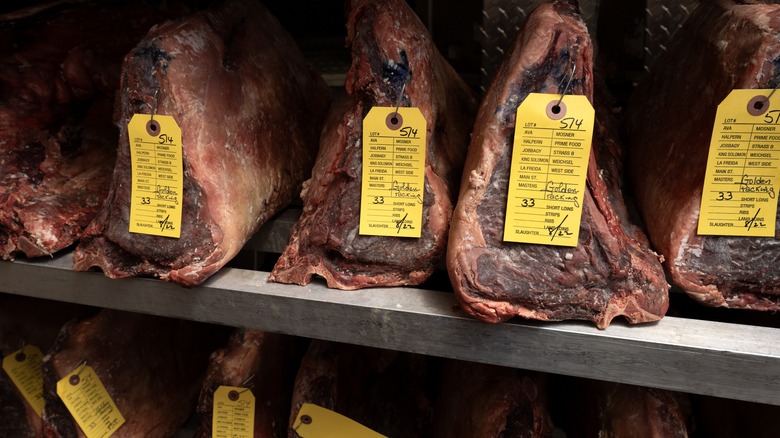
722,46
266,363
486,401
390,48
59,70
586,408
717,417
17,418
611,272
250,110
386,391
627,411
26,321
152,367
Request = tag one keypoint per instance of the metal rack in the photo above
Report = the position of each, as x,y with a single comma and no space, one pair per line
704,357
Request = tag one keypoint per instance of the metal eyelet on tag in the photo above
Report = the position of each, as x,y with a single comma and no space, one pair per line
556,110
394,121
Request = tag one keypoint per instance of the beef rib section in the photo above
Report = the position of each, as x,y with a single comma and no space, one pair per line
723,46
250,111
394,61
611,271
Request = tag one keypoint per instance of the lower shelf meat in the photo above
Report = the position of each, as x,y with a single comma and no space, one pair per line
153,368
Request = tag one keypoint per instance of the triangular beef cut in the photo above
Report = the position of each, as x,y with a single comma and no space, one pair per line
611,272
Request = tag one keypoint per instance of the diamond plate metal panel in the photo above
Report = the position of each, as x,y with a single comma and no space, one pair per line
502,19
663,19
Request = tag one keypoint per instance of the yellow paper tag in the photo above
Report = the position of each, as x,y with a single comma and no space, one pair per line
740,185
317,422
394,147
549,168
157,186
24,368
233,415
89,403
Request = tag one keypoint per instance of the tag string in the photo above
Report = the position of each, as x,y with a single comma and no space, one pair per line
398,100
81,367
773,91
154,106
571,76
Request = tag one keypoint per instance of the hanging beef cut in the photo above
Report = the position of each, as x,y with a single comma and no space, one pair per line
589,408
478,400
394,62
250,111
266,364
387,391
152,368
723,46
26,322
59,70
611,272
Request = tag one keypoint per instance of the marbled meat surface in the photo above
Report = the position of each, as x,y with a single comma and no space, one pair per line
611,272
250,110
669,122
393,61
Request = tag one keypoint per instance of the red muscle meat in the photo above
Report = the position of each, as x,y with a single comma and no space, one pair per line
486,401
152,368
266,364
250,110
26,321
611,272
386,391
59,70
723,46
390,48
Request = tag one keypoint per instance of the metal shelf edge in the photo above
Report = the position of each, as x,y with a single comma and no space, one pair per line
711,358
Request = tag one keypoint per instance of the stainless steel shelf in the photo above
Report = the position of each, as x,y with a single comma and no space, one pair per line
703,357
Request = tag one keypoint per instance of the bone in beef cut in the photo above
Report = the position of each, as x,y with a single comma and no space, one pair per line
250,110
265,363
611,272
387,391
26,321
478,400
59,70
721,47
152,368
390,47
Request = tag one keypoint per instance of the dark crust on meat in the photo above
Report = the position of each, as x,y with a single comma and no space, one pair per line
387,391
231,77
627,410
59,71
724,47
13,411
611,272
151,367
487,401
265,363
325,241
